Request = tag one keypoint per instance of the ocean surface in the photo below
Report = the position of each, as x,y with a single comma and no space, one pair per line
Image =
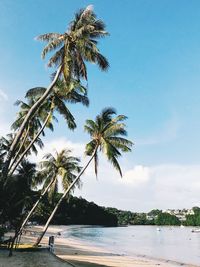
170,243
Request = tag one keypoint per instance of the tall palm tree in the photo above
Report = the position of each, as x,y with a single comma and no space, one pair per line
56,101
106,134
72,49
63,166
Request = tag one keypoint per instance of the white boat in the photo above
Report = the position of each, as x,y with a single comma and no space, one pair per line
158,229
197,230
182,226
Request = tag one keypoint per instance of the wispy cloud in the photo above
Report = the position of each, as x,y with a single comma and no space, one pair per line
167,132
3,96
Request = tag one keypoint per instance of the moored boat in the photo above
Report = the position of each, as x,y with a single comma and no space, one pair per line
197,230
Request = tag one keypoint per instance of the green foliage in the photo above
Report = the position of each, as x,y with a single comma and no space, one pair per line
123,217
129,218
140,219
154,212
75,211
196,210
16,195
167,219
193,220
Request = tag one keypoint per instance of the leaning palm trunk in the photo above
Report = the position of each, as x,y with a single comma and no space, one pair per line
61,199
27,119
21,146
29,146
35,206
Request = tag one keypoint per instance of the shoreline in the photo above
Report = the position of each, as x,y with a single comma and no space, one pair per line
74,250
82,254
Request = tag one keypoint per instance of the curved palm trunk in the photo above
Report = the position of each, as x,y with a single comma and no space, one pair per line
22,144
61,199
26,120
29,146
35,206
19,232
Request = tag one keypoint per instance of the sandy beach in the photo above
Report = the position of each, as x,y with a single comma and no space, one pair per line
70,252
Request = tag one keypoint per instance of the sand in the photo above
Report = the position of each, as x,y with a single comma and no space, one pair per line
72,253
30,259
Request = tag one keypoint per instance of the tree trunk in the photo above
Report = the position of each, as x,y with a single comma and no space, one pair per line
29,146
18,152
61,199
34,206
26,120
12,244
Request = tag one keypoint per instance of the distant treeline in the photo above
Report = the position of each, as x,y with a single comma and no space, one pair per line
154,217
79,211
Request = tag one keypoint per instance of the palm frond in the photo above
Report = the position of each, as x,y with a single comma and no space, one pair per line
48,36
35,92
116,165
90,148
102,62
52,45
120,143
56,59
64,111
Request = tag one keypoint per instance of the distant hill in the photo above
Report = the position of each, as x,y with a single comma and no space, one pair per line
75,211
79,211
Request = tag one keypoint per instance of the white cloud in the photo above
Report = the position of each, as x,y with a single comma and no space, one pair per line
142,188
57,145
137,176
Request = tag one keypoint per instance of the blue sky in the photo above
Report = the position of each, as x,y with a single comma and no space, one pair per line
154,79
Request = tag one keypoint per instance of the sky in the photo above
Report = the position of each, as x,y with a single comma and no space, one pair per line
154,78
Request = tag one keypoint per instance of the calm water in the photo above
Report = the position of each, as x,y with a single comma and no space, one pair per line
171,243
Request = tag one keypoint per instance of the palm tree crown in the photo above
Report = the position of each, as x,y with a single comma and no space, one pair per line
59,97
107,134
61,165
77,45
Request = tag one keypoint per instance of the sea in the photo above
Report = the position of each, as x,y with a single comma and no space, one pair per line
178,244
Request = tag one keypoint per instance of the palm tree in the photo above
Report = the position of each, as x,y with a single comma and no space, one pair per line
106,135
57,100
33,126
62,166
5,144
72,49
